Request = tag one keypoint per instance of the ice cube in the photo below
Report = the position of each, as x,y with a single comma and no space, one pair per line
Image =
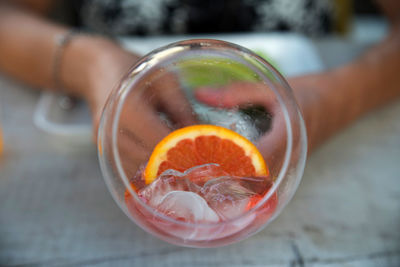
227,197
203,173
168,181
187,207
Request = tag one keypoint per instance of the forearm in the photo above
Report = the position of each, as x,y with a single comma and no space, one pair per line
342,95
28,48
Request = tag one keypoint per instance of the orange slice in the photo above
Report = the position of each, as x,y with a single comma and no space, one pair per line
201,144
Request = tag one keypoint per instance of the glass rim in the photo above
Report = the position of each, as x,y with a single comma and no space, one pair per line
150,61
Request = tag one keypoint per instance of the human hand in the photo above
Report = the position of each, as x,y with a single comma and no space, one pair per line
140,125
272,143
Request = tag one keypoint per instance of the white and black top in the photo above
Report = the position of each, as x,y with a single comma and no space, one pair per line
149,17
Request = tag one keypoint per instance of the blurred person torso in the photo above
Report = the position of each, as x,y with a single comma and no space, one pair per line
152,17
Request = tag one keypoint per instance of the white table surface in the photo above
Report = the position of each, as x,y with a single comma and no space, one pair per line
55,209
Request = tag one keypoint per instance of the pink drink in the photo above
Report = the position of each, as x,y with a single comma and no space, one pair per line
202,205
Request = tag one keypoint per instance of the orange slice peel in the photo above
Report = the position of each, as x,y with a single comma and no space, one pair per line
202,144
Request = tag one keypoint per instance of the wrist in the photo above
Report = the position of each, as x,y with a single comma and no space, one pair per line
109,63
316,96
76,62
91,66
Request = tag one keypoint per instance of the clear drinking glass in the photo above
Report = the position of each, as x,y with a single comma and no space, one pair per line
201,81
1,130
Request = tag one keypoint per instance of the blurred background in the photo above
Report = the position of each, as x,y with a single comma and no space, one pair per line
56,210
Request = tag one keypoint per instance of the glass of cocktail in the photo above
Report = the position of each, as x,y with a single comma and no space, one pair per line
202,143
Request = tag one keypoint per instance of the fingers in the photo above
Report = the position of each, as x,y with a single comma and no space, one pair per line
141,119
236,94
140,126
140,129
132,154
172,100
272,144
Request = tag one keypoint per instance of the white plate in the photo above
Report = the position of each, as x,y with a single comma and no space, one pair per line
293,54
